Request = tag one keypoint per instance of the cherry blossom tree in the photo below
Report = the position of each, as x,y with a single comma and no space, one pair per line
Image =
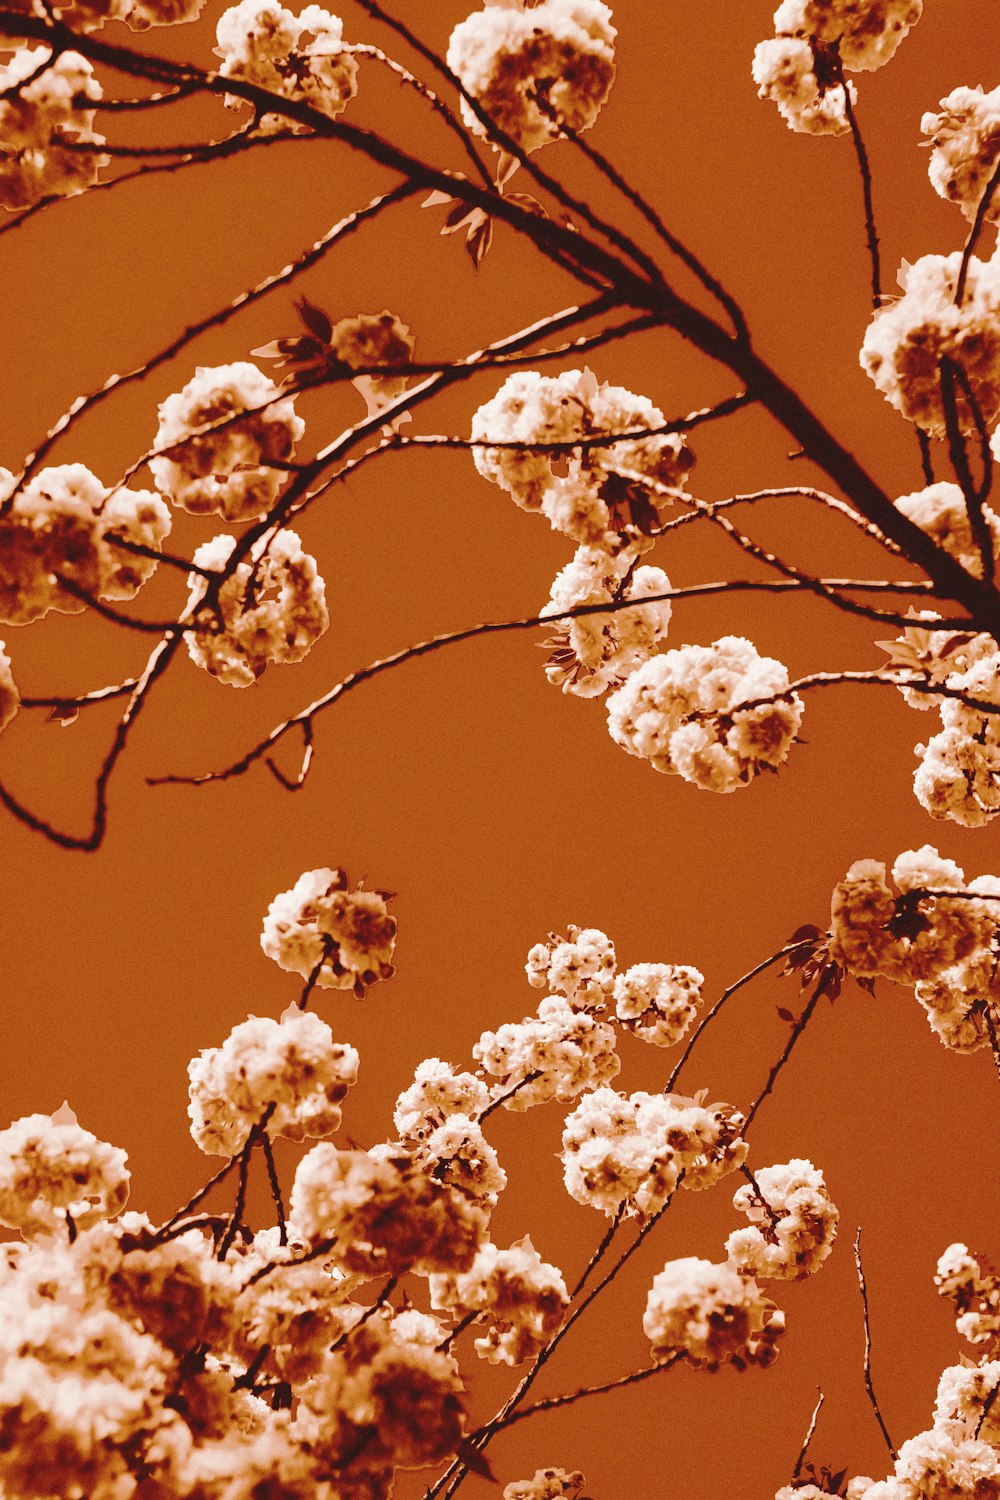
311,1320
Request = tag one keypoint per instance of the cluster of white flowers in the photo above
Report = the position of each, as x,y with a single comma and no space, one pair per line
942,1462
292,1067
522,1297
300,57
630,1151
959,773
226,470
59,533
570,1051
383,1213
591,501
271,609
37,115
546,1484
907,340
595,652
711,1315
436,1093
792,1230
945,947
962,1396
941,511
580,966
810,95
975,1293
658,1002
346,938
52,1171
139,15
679,711
388,1397
10,698
535,69
815,42
965,137
458,1153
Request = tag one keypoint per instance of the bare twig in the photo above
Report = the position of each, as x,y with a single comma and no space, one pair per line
871,234
868,1347
810,1431
796,1032
710,1015
548,1403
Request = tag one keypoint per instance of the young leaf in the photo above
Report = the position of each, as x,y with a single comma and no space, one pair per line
315,319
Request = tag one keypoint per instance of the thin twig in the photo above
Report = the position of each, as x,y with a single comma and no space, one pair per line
871,234
868,1347
196,1198
549,1402
810,1430
796,1032
275,1186
726,995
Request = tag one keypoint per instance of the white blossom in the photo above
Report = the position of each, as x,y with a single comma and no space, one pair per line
459,1154
36,115
579,490
941,511
591,653
293,1065
384,1215
535,69
58,538
959,773
875,933
630,1151
678,711
570,1051
865,33
579,966
347,938
711,1315
792,1231
975,1292
965,137
301,57
787,71
436,1093
906,341
658,1002
272,608
51,1168
227,471
546,1484
522,1297
962,1396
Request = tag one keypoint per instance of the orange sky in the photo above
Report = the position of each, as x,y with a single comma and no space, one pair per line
497,808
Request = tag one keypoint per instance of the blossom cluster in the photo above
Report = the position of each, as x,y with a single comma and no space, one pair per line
630,1152
965,141
270,609
43,113
339,938
908,339
522,1298
533,70
290,1071
815,43
945,945
59,538
793,1222
590,502
227,469
680,712
301,57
